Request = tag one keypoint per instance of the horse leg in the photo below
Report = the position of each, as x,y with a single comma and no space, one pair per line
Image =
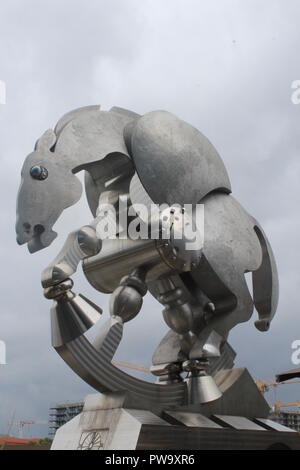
179,314
79,245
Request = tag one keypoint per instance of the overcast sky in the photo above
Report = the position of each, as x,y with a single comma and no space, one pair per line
224,66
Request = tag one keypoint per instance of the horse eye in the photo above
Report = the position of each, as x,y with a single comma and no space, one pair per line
39,172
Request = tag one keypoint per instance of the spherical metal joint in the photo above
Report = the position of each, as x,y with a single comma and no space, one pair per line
125,302
38,172
136,283
179,319
88,241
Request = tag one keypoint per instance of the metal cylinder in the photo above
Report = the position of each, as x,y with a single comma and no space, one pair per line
120,257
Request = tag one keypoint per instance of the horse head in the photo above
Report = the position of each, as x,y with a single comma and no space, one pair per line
48,186
84,139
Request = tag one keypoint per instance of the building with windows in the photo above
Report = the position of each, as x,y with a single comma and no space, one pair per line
61,413
291,419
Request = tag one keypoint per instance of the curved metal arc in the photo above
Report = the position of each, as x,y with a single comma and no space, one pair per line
92,362
94,368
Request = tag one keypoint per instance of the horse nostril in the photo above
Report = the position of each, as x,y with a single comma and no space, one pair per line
26,227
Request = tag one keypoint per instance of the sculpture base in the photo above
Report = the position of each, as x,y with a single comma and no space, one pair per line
109,422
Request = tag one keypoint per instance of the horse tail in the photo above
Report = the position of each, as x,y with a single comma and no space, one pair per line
265,284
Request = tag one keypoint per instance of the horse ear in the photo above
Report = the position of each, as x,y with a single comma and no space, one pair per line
46,142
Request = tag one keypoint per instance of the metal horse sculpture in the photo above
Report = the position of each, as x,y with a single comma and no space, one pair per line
155,158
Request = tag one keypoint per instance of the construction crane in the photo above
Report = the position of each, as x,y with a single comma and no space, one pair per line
264,385
11,423
22,424
28,423
278,405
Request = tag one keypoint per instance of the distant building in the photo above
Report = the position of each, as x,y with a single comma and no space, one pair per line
61,414
291,419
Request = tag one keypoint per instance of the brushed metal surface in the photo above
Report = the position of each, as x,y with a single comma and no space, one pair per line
273,425
183,438
239,423
194,420
165,149
95,367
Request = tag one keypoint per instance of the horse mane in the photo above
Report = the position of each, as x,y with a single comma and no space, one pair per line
92,140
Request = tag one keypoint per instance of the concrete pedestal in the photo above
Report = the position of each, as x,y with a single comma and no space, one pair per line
108,423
